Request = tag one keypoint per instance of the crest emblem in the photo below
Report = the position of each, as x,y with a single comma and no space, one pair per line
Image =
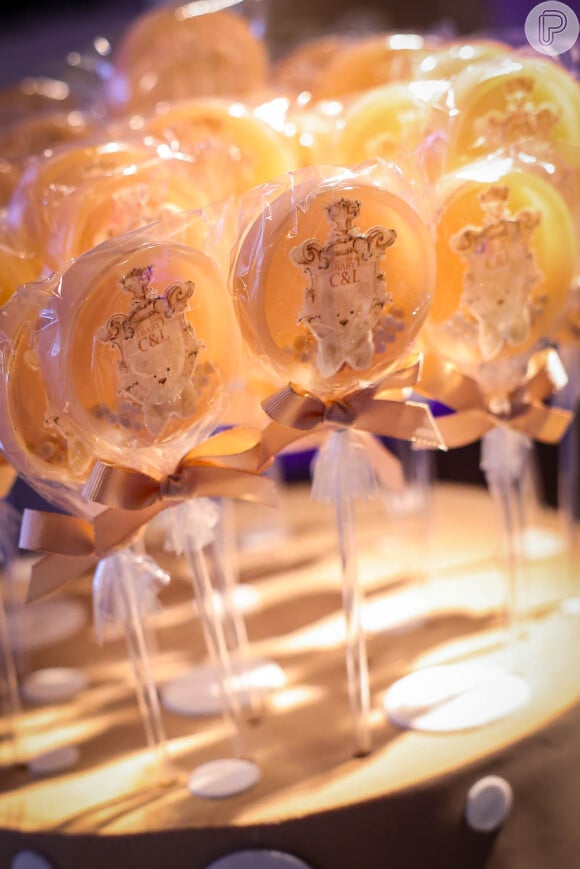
347,293
501,272
158,351
521,119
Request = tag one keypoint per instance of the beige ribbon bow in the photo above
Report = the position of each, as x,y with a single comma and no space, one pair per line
221,467
522,410
296,414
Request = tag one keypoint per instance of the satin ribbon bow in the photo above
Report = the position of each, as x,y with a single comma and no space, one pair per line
223,466
296,414
522,409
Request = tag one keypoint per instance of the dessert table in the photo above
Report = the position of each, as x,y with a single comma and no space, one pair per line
434,595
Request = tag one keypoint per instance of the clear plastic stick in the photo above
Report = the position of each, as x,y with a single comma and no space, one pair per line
342,472
355,649
125,577
213,631
504,456
9,527
225,580
10,689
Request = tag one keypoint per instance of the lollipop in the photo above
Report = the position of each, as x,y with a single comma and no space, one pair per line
16,268
257,153
154,323
332,282
447,61
369,63
299,70
47,450
368,261
391,122
506,253
526,104
92,193
505,247
175,52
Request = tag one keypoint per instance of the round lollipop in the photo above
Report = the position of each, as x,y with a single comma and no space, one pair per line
98,191
391,122
506,252
370,62
526,104
257,153
446,61
47,449
505,248
154,323
175,52
332,282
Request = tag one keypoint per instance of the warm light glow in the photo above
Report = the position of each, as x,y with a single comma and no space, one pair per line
203,7
292,698
273,113
102,46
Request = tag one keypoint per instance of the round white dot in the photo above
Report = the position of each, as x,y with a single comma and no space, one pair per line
489,802
53,684
258,860
51,762
30,860
222,778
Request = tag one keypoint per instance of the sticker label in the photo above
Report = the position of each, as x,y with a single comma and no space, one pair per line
347,290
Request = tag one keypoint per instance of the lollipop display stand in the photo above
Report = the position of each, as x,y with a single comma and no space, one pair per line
219,263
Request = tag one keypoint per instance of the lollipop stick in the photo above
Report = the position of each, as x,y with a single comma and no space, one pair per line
503,459
355,651
121,572
213,631
342,471
12,706
10,522
222,550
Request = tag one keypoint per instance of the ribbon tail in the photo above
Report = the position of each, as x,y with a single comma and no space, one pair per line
276,438
53,571
119,528
464,427
56,533
410,421
545,424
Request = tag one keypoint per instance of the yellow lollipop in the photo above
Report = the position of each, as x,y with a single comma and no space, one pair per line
389,122
505,261
257,152
525,104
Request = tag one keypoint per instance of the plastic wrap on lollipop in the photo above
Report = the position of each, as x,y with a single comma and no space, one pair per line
92,193
151,319
173,52
333,275
109,601
515,104
40,441
256,148
506,258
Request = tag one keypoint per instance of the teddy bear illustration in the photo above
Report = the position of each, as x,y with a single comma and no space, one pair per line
501,272
347,292
158,350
